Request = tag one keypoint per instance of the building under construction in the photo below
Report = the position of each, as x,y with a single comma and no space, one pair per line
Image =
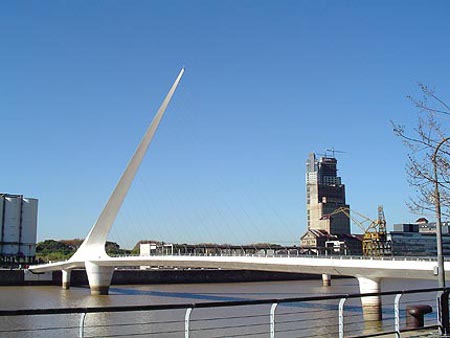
328,215
324,194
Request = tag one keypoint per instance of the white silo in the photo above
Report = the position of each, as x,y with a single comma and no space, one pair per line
18,221
11,224
29,227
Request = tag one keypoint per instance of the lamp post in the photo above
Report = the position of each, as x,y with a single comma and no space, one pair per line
440,256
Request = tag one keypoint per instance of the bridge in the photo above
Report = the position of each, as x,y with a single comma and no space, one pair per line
100,267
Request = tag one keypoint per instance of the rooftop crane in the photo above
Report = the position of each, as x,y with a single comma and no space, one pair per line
333,151
375,242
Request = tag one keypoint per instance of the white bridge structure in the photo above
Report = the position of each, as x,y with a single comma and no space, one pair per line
100,267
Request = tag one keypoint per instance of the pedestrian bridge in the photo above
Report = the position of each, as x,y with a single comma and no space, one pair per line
100,267
368,271
357,266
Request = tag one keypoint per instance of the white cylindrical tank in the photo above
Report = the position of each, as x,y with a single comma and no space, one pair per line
11,224
29,227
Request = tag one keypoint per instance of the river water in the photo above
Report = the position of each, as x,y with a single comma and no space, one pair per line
311,319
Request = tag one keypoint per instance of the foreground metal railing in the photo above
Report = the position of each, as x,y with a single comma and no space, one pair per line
338,315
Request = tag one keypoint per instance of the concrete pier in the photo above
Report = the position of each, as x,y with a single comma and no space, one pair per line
372,304
66,279
99,278
326,279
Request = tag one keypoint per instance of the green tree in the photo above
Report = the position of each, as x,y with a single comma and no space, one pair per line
51,250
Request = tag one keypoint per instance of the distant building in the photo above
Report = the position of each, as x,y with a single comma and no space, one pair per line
155,248
318,241
315,238
418,239
324,194
18,224
423,226
352,243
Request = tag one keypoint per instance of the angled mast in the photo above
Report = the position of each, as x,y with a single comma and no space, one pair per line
93,247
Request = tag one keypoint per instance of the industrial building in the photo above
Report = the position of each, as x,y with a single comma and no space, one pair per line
324,194
18,222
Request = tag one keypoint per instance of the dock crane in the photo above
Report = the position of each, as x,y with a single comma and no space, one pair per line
375,242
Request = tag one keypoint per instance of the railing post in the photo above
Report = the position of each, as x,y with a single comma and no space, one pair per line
82,320
341,317
445,312
187,317
442,305
397,315
272,320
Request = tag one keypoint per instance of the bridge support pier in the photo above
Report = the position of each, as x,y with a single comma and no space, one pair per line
372,304
66,279
326,279
99,278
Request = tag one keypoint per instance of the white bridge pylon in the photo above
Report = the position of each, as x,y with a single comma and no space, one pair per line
100,267
94,244
93,247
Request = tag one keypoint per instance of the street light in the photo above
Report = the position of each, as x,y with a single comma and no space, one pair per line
440,256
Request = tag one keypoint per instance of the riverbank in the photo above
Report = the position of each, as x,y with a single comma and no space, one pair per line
152,276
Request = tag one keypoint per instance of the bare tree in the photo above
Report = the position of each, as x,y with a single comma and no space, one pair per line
432,127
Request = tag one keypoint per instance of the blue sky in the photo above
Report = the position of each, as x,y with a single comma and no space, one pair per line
266,83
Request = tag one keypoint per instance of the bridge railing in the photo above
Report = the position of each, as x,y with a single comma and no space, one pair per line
333,257
338,315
